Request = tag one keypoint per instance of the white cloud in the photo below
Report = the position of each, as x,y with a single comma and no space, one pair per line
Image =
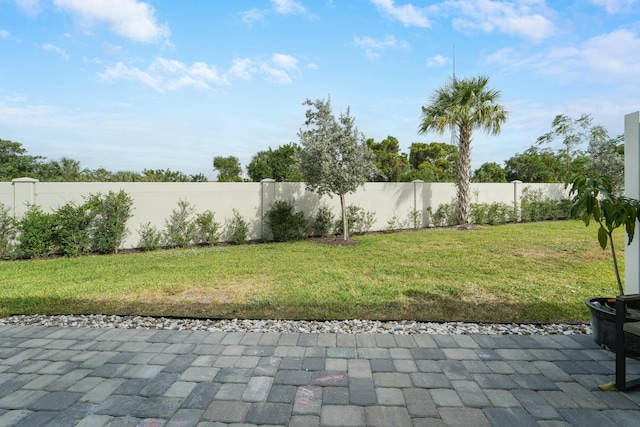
615,6
528,19
274,74
281,69
609,57
437,61
249,17
124,72
374,47
4,34
55,49
7,96
613,54
109,49
128,18
164,75
287,7
409,15
30,7
286,62
242,68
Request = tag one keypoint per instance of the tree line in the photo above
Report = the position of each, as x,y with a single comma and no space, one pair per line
438,161
15,162
430,162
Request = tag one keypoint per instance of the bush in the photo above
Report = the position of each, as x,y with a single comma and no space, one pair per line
501,213
481,213
393,224
323,222
535,207
414,218
207,229
71,235
358,221
36,230
445,215
238,228
7,233
110,214
285,222
180,230
150,237
492,213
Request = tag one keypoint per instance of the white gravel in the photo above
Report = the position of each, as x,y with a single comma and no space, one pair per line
335,326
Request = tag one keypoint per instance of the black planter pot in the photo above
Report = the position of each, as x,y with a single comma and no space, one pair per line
603,321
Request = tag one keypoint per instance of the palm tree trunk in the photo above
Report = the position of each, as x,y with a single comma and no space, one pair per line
463,210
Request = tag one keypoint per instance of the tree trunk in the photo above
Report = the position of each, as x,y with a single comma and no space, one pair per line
463,210
345,224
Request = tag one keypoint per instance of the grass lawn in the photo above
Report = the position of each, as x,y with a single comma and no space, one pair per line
534,272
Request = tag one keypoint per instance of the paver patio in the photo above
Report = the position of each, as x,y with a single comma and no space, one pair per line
118,377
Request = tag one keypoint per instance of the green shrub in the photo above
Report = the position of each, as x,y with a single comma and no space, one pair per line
150,237
501,213
180,229
563,209
393,224
285,222
491,213
414,218
207,229
481,213
445,215
535,207
110,214
323,222
358,221
7,233
71,235
35,233
237,228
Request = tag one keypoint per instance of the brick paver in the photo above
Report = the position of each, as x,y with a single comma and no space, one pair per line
92,377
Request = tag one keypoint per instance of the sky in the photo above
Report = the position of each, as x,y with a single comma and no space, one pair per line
165,84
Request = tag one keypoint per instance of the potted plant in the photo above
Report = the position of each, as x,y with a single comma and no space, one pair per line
594,199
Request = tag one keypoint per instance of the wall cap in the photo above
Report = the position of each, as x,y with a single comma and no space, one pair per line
25,179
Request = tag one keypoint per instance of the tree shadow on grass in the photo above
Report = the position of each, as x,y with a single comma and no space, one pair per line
416,305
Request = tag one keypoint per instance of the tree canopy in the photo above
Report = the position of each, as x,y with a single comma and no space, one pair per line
389,161
279,164
490,172
15,163
228,168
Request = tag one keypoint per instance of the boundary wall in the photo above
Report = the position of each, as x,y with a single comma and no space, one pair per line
154,201
632,190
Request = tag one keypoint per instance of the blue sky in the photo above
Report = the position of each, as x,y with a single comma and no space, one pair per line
131,84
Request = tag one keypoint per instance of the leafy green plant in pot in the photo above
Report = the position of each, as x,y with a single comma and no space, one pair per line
593,198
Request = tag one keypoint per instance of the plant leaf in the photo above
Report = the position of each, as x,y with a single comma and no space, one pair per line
602,237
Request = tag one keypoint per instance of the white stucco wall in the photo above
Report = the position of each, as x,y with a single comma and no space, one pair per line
153,202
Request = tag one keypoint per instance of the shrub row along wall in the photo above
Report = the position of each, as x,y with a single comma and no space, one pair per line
154,201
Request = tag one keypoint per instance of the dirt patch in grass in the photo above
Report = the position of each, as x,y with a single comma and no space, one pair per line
334,241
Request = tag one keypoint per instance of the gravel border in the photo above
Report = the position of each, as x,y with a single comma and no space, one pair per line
299,326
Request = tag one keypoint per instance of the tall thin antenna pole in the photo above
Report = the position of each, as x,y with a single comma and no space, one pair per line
454,138
454,62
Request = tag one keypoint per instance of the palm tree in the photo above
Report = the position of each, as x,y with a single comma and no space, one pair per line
462,106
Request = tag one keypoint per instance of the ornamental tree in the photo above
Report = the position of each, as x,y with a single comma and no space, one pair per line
335,158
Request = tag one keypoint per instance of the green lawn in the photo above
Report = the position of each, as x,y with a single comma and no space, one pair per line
535,272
